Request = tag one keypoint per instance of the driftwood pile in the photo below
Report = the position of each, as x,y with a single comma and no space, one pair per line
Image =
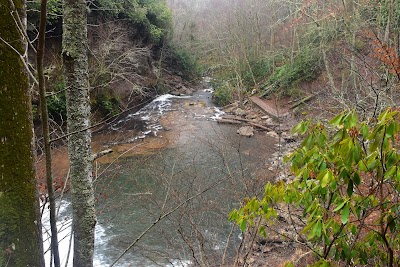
233,119
249,125
263,119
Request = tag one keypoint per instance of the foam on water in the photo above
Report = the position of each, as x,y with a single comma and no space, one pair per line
65,242
207,79
218,113
150,115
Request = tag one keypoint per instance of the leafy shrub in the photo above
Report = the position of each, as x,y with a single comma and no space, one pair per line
305,67
223,93
108,105
54,11
154,15
260,68
379,12
180,58
56,103
345,200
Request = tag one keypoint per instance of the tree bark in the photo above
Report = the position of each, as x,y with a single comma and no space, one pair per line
20,225
78,109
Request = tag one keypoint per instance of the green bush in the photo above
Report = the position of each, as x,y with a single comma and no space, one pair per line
153,15
379,11
260,68
181,59
305,67
108,105
344,203
54,11
223,93
56,103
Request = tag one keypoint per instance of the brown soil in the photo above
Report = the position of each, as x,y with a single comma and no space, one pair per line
171,121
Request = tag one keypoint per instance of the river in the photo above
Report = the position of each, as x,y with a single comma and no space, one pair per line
171,154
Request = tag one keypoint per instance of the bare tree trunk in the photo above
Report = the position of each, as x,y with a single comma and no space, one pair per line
46,136
389,22
20,225
78,109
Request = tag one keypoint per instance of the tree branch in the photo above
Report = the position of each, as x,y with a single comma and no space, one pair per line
162,216
22,59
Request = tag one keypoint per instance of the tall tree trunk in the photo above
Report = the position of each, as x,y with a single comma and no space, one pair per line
78,109
46,136
20,225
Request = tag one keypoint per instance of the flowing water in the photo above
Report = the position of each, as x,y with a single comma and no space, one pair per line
179,159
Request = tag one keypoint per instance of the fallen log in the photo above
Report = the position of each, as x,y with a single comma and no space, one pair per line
101,153
236,118
302,101
260,126
229,117
228,121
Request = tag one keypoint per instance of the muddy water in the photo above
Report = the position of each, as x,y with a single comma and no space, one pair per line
174,154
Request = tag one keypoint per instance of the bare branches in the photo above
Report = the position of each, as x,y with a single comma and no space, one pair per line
46,133
23,60
115,60
163,216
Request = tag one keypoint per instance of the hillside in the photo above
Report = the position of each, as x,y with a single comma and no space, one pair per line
346,53
315,58
131,57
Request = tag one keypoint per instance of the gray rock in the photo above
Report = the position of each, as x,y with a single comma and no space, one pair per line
177,93
246,131
251,116
239,112
269,121
188,91
273,134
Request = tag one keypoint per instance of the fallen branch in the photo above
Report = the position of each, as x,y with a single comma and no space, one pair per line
228,121
161,217
302,101
260,126
236,118
101,153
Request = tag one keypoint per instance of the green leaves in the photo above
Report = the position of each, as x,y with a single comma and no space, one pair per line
326,178
344,216
340,173
337,120
242,224
340,206
314,229
153,15
301,128
350,188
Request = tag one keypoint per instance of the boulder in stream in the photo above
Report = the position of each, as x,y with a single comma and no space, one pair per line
246,131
